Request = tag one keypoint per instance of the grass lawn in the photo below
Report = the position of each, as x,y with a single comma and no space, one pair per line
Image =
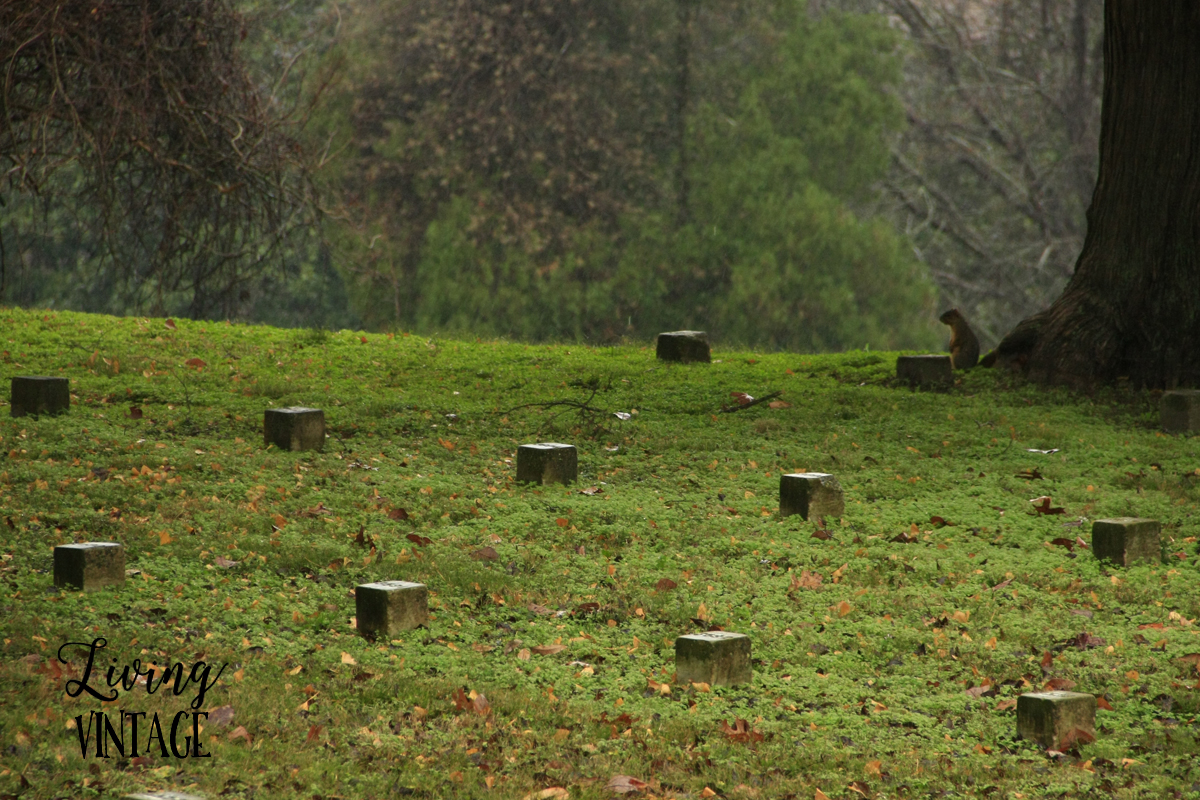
889,645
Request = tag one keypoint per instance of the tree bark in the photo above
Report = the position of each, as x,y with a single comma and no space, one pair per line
1132,308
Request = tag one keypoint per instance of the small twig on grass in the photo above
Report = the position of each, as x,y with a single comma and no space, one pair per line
754,402
589,415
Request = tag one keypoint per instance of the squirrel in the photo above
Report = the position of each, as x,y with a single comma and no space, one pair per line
964,347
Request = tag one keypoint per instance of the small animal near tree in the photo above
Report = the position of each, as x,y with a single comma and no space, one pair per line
964,346
1132,308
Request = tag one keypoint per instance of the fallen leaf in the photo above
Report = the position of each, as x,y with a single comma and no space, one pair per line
240,732
418,540
348,659
1059,684
446,444
170,323
224,563
549,649
398,514
195,363
221,716
624,784
591,490
1102,703
562,522
935,520
823,535
665,585
314,733
480,705
1042,506
860,788
779,404
844,608
742,398
740,731
135,412
1005,705
820,795
553,793
485,554
807,580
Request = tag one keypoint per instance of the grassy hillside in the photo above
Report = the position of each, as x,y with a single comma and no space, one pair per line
889,646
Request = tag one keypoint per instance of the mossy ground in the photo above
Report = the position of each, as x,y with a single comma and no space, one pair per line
894,676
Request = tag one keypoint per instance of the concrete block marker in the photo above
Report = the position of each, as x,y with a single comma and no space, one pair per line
925,371
1052,718
685,346
718,658
90,565
388,607
1179,411
164,796
294,428
547,462
37,394
810,494
1126,541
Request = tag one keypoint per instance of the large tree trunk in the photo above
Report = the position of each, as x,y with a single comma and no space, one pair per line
1132,308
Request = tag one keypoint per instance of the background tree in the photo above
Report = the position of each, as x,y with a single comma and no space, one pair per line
140,159
1132,308
554,168
995,168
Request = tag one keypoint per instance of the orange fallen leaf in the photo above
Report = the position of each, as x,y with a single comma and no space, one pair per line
240,732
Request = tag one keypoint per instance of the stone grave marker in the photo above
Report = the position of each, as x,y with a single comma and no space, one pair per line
685,346
929,371
295,428
718,658
1126,541
1049,717
1180,411
810,494
388,607
39,394
90,565
547,462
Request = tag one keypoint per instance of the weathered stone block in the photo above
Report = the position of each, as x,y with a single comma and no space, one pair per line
718,658
1180,411
89,565
685,346
925,371
1050,718
1126,541
810,494
547,462
294,428
388,607
38,394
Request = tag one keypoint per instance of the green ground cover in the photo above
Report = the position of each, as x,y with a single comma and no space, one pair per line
889,645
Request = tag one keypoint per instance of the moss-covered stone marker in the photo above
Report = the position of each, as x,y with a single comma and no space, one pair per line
925,371
1126,541
39,394
547,462
388,607
1180,411
685,346
718,658
1050,718
89,565
294,428
810,494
